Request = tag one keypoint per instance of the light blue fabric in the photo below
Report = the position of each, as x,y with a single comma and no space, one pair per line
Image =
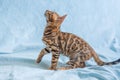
22,23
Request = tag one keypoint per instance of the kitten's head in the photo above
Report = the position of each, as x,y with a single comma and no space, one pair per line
53,17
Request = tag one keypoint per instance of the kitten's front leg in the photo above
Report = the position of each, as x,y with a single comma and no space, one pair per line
42,53
55,57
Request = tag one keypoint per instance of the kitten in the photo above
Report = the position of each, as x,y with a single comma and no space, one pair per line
68,44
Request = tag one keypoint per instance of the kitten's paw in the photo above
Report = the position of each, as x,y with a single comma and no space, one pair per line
38,61
65,68
62,68
51,68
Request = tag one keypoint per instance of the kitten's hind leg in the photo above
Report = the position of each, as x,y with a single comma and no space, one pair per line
66,68
72,65
42,53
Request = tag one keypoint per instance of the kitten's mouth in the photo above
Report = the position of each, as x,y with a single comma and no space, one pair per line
48,17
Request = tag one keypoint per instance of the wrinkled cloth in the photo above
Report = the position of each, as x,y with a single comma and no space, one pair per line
22,23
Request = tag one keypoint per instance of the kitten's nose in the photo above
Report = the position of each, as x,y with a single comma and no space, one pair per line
47,11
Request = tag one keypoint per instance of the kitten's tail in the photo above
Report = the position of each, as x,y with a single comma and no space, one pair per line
113,62
101,63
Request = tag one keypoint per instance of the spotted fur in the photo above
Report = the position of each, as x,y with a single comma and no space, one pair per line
67,44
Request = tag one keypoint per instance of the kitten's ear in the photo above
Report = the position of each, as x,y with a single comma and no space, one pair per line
61,19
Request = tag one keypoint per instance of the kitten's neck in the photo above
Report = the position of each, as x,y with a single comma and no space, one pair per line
51,30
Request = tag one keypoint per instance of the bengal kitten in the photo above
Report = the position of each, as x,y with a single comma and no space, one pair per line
68,44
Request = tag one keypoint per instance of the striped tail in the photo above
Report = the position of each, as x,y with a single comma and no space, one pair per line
101,63
113,62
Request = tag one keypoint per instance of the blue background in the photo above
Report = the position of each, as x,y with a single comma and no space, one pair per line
22,23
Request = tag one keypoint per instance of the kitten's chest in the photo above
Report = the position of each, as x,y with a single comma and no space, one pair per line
49,41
